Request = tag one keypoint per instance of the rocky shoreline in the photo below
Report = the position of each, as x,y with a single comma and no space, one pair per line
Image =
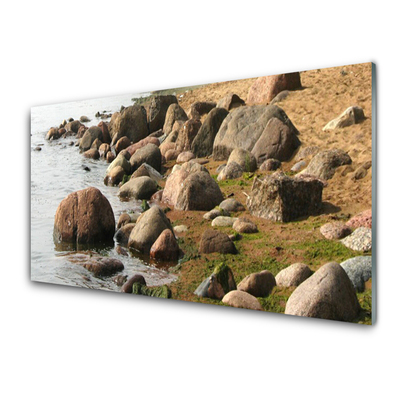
215,180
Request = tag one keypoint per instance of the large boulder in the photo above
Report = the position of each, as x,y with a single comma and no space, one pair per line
216,242
218,284
265,88
244,158
93,133
106,138
244,126
165,248
202,145
281,198
187,134
359,270
293,275
122,144
148,228
141,143
84,217
328,294
359,240
230,101
132,123
158,110
73,126
174,113
141,188
278,141
149,154
323,165
200,108
53,134
259,284
240,299
352,115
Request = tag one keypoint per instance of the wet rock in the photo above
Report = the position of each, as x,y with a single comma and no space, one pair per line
148,228
216,242
120,279
232,171
244,225
270,165
122,234
293,275
122,144
359,270
53,134
231,205
174,113
244,126
230,101
93,133
363,218
73,126
92,153
165,248
123,219
155,291
327,294
265,88
120,161
281,198
84,118
115,176
222,221
137,278
323,165
352,115
84,217
149,154
139,188
244,158
218,284
259,284
96,144
131,122
110,157
103,266
359,240
239,299
200,108
335,230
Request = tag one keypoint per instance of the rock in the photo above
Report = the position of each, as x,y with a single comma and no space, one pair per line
132,123
104,149
239,299
223,221
123,233
259,284
230,101
298,166
265,88
96,144
187,134
126,154
359,240
216,242
123,219
278,140
81,131
327,294
231,205
185,157
218,284
53,134
149,154
244,126
147,229
281,198
323,165
156,291
352,115
106,138
158,111
110,157
37,148
157,196
137,278
200,108
122,144
232,171
244,225
270,165
306,152
148,170
165,248
92,153
84,118
120,279
360,173
244,158
180,229
172,154
359,270
136,146
335,230
73,126
103,266
139,188
293,275
280,97
156,134
174,113
166,146
115,176
363,218
93,133
220,168
120,161
198,192
214,213
84,217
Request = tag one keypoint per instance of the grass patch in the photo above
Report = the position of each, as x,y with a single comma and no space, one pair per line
365,300
276,301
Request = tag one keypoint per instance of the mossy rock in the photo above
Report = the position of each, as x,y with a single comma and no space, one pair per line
156,291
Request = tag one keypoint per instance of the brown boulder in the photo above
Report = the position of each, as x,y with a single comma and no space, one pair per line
115,176
174,113
136,146
230,101
187,134
106,138
96,144
137,278
123,219
84,217
259,284
122,144
293,275
200,108
132,122
110,157
158,110
165,248
216,242
92,153
244,225
53,134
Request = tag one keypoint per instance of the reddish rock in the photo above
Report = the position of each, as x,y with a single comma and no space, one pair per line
171,155
84,216
185,156
110,157
165,248
106,134
92,153
335,230
364,218
265,88
81,131
53,134
216,242
187,134
136,146
127,287
122,144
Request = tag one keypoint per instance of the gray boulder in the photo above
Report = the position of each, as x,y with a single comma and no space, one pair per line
231,205
359,270
174,113
158,110
230,101
131,122
141,188
231,171
244,158
149,154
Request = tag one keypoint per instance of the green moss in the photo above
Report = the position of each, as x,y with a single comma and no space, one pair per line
156,291
222,273
125,179
145,205
276,301
365,300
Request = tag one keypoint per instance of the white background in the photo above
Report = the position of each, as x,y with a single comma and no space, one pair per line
59,342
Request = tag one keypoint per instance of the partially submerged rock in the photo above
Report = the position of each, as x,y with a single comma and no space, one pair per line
139,188
137,278
165,248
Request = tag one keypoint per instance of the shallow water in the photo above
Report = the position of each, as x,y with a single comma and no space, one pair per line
56,171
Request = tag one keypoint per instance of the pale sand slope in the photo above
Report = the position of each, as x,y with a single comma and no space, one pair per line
325,95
